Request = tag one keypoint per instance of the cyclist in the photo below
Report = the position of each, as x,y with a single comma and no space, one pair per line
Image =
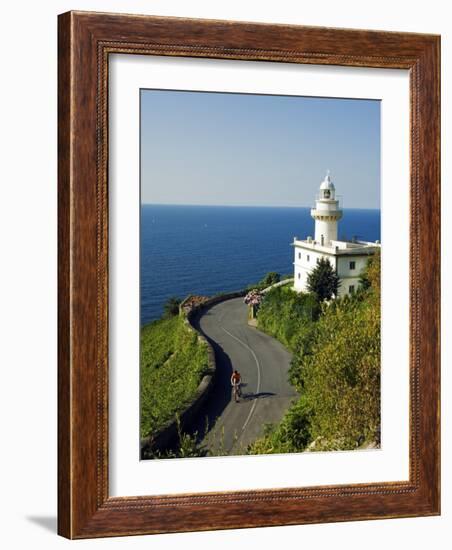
236,379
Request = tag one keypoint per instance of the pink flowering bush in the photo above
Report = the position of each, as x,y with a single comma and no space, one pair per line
253,298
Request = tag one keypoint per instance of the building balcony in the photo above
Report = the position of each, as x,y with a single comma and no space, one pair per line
326,215
338,248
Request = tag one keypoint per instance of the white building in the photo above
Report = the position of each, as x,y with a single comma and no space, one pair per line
348,258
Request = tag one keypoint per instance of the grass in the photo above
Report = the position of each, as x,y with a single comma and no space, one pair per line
173,361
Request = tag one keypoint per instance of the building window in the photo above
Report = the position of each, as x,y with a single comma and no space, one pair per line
352,265
351,289
307,257
299,255
299,275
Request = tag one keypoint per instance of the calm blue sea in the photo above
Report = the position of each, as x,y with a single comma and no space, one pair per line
210,249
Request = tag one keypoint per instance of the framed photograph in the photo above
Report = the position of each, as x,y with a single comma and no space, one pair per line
249,259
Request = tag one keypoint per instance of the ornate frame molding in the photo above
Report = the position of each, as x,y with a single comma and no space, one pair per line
85,42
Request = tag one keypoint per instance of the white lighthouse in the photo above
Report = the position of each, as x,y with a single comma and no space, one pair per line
326,212
348,258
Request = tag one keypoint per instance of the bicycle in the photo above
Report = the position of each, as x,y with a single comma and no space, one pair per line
236,392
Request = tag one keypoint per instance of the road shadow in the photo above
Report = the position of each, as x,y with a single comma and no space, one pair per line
261,395
221,393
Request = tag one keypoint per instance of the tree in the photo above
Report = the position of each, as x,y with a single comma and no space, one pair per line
271,278
171,307
370,277
323,280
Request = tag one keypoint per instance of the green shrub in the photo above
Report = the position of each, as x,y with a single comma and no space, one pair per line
291,435
271,278
171,307
285,314
338,373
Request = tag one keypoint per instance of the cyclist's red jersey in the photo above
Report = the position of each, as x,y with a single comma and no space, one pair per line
235,378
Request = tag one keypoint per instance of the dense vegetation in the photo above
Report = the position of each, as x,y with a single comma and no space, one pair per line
335,368
323,280
285,314
173,361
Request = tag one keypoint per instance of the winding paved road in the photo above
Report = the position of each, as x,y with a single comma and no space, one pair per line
263,363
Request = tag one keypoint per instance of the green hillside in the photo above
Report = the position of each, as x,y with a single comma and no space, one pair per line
173,362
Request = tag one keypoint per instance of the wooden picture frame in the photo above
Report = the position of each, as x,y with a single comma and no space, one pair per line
85,42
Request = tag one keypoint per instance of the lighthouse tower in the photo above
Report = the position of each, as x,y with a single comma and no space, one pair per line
347,258
326,213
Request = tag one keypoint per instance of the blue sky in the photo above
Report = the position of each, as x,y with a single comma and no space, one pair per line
257,150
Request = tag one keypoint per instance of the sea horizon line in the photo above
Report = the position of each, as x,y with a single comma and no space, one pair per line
250,206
